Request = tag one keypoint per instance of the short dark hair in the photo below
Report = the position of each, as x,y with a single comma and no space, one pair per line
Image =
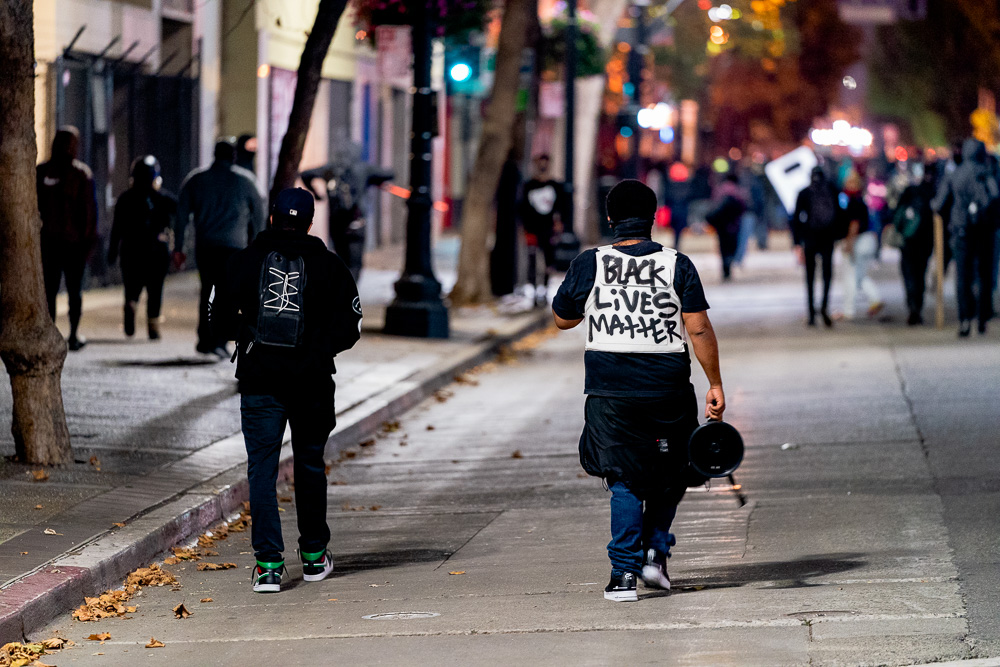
631,199
225,150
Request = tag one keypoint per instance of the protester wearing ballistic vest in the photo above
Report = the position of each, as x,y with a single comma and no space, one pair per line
291,305
642,306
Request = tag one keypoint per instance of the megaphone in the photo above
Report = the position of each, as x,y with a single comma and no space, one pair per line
715,449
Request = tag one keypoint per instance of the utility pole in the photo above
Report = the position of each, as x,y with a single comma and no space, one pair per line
418,309
570,74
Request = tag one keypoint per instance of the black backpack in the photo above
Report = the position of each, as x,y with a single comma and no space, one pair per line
280,317
982,196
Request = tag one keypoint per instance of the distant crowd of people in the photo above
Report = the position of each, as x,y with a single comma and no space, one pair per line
861,207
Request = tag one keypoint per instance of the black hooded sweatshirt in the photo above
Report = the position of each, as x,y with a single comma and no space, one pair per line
331,311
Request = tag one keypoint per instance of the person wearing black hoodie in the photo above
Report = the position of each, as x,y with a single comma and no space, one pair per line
144,217
67,202
814,232
287,379
974,194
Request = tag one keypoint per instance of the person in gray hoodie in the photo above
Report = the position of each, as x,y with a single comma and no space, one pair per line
227,208
975,195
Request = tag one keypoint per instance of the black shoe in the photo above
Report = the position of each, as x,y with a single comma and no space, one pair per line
964,328
621,588
654,570
154,330
267,577
827,322
203,348
914,319
981,328
812,319
76,343
316,568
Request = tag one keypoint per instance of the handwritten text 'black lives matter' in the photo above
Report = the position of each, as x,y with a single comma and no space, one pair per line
641,306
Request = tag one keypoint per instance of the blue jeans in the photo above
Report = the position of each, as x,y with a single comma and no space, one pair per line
310,412
635,528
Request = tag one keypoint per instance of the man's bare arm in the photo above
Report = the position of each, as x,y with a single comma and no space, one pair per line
565,324
706,348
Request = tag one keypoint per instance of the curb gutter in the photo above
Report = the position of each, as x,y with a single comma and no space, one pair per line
103,562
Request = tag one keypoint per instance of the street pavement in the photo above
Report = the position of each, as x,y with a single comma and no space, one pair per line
468,534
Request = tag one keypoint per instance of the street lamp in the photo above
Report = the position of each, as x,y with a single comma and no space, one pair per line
571,32
418,309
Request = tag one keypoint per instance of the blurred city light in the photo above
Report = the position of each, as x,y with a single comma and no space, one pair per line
842,134
655,117
679,172
667,135
720,165
461,72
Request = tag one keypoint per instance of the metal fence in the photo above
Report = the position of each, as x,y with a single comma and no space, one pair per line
123,112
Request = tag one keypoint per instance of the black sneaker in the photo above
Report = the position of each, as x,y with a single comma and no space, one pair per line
621,588
267,577
964,327
654,570
316,566
76,343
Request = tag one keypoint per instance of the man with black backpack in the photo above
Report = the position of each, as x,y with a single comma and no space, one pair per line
291,305
816,226
975,195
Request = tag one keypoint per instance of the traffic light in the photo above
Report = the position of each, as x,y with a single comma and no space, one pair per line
462,68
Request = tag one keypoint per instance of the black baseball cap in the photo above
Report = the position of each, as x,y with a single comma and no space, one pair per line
294,207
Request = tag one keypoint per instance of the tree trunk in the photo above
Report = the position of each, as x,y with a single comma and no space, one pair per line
306,85
31,347
473,285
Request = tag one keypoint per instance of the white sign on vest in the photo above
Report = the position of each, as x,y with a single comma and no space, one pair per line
633,306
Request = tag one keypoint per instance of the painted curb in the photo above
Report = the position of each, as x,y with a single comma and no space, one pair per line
61,584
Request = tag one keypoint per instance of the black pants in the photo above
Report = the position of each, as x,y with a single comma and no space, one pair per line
69,259
212,262
311,414
972,247
824,249
913,265
728,243
347,233
145,268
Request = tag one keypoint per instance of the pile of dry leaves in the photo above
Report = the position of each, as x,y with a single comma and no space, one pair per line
112,603
16,654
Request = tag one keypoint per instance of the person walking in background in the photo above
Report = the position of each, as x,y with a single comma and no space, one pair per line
246,153
291,306
346,179
914,222
542,202
858,249
227,209
725,216
144,220
814,231
974,193
67,203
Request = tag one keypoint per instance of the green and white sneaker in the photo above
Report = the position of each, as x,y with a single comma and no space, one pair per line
267,577
316,566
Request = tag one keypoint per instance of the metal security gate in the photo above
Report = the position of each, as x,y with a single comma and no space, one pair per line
121,113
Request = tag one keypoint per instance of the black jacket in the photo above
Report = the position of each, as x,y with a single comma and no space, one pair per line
961,188
143,220
331,310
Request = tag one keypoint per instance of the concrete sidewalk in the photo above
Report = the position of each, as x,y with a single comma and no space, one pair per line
155,432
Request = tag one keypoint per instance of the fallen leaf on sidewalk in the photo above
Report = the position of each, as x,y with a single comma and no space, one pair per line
331,599
375,508
130,610
40,475
338,482
367,443
517,454
284,499
38,507
100,637
326,469
118,525
215,566
466,378
442,395
206,599
457,572
153,643
96,462
430,427
24,553
389,427
50,531
180,611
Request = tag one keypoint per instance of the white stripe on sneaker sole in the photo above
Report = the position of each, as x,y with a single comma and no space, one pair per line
622,596
652,576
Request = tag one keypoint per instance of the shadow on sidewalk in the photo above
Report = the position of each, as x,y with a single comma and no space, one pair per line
177,362
376,560
788,574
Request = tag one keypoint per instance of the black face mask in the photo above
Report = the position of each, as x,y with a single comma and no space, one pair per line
632,228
